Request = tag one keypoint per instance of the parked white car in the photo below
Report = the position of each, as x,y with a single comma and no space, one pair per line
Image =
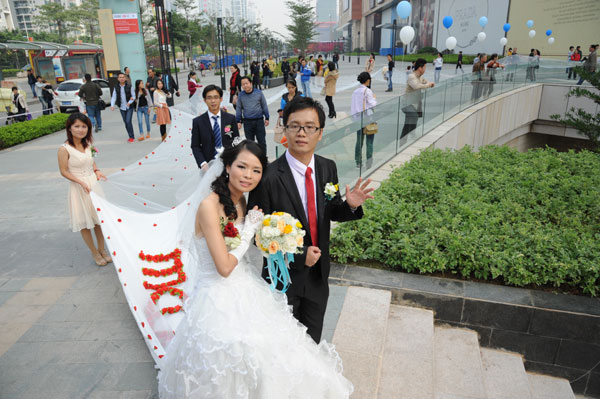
66,93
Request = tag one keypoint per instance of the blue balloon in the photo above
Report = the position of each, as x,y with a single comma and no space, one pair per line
447,21
403,9
548,32
506,27
530,23
483,21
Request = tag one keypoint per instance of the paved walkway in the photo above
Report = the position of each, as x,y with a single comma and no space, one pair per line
65,328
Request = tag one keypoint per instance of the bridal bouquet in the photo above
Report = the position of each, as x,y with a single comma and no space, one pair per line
280,237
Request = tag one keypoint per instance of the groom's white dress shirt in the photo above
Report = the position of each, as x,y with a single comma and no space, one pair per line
299,173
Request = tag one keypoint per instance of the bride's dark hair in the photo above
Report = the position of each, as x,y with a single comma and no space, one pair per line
220,185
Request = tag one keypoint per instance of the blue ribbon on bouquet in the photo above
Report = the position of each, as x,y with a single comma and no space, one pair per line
278,270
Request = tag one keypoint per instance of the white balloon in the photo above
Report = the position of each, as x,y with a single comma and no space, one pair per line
531,33
481,36
451,43
407,33
551,40
503,41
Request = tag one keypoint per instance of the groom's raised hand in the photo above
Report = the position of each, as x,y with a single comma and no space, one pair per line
359,193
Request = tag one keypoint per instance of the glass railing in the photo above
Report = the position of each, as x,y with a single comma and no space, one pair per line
357,154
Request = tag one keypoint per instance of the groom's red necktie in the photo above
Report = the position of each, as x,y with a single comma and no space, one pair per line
310,206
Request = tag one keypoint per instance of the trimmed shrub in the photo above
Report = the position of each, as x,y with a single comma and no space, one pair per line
524,219
10,72
21,132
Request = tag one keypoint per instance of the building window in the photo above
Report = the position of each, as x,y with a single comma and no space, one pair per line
371,3
346,5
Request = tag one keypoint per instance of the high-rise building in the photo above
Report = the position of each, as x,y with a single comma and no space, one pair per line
6,20
326,10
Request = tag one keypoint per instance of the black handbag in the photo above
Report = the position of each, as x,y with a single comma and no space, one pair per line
101,105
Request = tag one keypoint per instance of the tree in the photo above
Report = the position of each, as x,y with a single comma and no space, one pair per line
87,15
587,124
302,28
55,14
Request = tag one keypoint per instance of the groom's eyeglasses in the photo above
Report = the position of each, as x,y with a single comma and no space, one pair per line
307,129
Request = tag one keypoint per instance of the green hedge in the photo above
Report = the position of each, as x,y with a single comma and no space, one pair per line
521,218
10,72
21,132
448,58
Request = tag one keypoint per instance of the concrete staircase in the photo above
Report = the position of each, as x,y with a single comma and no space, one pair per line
392,351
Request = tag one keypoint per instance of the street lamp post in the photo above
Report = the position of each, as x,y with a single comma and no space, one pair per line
373,38
394,41
358,52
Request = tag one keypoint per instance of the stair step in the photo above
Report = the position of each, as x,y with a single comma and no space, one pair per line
407,366
546,387
458,369
359,337
504,375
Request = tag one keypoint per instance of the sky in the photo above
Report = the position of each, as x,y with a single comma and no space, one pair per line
275,15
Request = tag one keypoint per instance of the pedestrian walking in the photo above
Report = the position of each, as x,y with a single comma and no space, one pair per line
330,83
266,74
285,69
48,97
255,70
459,63
39,91
142,107
390,72
478,78
171,87
336,60
370,65
413,97
31,81
151,86
363,99
192,83
235,85
305,72
491,67
253,113
20,105
91,94
533,63
123,96
163,116
438,63
590,62
76,164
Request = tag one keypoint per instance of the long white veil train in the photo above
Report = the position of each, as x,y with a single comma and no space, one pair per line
150,208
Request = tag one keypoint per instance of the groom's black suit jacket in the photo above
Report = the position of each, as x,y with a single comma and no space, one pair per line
277,192
203,140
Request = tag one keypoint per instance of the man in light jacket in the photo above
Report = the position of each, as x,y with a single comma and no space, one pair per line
414,84
253,112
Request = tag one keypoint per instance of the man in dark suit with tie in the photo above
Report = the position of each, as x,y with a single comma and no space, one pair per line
295,184
213,129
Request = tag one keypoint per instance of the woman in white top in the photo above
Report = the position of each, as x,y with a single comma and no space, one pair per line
163,116
362,100
437,63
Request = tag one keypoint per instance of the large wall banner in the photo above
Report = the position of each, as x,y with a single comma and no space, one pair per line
573,23
466,14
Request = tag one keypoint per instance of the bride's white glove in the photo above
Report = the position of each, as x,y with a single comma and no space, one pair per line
252,223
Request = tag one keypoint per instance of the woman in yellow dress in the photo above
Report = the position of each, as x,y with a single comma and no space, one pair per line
76,163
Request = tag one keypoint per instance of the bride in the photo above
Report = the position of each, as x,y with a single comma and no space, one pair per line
238,339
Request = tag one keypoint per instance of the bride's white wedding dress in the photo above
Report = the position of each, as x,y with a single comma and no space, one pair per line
239,340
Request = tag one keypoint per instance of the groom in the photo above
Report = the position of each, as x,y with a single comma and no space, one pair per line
295,184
